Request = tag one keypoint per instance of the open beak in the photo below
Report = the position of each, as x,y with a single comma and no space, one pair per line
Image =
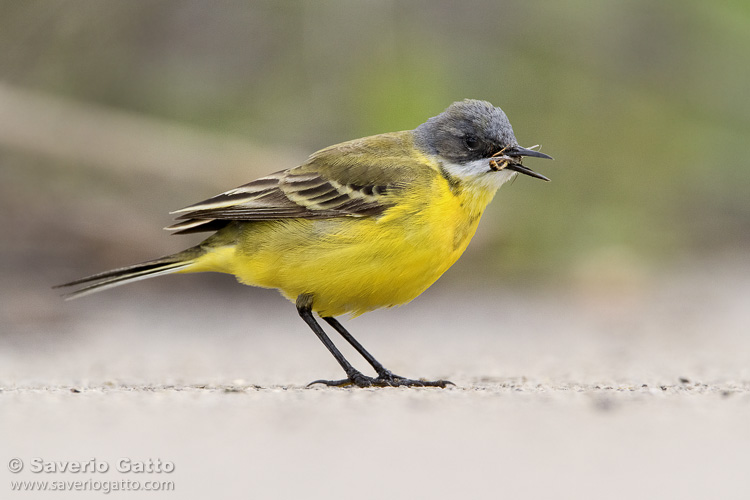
513,156
519,151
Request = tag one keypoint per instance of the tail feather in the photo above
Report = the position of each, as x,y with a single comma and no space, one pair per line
116,277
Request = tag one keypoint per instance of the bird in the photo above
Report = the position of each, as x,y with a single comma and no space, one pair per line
361,225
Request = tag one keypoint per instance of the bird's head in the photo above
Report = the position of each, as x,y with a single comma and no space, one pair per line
474,141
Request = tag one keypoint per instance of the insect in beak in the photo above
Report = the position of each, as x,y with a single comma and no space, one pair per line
510,158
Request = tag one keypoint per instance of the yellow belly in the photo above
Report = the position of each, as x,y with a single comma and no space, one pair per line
354,265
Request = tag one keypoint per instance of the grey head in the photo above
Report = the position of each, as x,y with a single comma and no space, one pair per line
471,130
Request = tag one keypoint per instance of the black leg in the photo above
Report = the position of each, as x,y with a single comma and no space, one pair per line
354,377
304,308
385,376
380,369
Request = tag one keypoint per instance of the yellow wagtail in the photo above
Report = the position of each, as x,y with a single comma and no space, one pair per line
360,225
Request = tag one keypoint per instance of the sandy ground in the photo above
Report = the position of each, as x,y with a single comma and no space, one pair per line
559,394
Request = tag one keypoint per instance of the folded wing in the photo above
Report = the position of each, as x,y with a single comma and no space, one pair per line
340,181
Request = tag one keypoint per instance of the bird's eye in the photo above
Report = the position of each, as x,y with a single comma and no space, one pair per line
471,142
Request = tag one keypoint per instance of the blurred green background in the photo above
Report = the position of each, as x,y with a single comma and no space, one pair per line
112,113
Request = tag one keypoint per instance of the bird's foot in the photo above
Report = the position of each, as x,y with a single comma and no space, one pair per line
384,379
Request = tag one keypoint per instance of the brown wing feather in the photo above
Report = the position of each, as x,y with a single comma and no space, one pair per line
352,179
283,195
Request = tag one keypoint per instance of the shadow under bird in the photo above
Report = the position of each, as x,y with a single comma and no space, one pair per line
360,225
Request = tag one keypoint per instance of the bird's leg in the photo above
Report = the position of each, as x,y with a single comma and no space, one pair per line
382,372
385,376
354,377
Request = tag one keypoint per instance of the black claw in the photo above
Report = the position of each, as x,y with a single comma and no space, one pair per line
386,378
333,383
389,380
355,378
329,383
405,382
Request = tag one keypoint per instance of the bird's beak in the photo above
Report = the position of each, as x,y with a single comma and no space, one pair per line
514,155
517,167
519,151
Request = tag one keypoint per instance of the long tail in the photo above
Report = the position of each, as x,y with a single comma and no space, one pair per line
150,269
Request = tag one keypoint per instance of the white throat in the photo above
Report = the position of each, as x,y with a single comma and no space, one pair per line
478,174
